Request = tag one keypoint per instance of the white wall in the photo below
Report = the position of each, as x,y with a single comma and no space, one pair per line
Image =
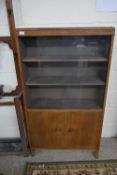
8,123
4,30
8,118
70,13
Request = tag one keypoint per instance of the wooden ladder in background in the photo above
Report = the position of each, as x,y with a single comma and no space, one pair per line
18,102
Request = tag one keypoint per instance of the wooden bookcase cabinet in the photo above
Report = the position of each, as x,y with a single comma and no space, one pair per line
64,78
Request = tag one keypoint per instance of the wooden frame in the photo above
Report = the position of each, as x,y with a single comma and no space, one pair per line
20,117
65,31
17,102
13,44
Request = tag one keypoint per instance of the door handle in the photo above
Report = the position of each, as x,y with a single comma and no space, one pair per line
72,129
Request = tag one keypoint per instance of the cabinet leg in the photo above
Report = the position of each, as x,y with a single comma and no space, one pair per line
97,153
32,152
26,154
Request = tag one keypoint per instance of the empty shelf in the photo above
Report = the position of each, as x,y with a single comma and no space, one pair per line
64,81
64,103
64,59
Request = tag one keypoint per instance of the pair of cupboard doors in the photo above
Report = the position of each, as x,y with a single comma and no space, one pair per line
65,128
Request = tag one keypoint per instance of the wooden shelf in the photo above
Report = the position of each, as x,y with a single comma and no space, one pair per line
63,59
64,81
64,103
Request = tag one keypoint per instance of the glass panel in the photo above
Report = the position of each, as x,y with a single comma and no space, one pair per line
65,48
65,71
65,97
65,74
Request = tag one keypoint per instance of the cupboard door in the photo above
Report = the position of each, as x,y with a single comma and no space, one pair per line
83,129
47,129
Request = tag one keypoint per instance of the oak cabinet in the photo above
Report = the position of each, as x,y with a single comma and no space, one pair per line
65,75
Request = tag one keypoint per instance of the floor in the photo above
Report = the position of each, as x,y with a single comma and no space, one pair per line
14,165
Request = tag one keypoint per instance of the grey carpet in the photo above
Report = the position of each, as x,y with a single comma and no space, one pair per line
14,165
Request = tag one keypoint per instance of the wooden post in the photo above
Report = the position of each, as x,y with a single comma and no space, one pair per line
18,103
12,29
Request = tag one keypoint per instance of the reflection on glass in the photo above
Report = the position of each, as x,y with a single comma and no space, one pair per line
65,71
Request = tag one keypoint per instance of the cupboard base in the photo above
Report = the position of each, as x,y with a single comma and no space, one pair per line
65,129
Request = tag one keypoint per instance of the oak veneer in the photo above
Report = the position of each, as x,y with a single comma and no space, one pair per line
64,128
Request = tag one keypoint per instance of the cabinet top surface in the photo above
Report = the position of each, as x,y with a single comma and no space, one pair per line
65,31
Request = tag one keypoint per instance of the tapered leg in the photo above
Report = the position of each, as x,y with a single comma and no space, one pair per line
97,153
